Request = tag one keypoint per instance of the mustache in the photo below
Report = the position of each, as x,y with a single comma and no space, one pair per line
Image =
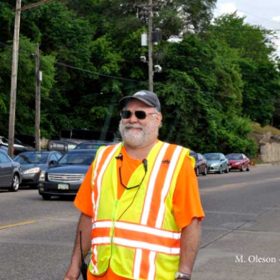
128,126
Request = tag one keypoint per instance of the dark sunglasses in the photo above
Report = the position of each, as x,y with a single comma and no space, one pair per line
141,115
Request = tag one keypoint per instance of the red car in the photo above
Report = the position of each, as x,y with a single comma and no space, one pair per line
238,161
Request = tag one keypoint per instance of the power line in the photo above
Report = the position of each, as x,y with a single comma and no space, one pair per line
82,69
98,74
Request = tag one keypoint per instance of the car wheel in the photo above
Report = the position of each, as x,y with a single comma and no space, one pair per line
15,183
248,168
221,170
197,171
46,196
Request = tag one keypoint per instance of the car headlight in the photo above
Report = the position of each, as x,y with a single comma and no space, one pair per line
214,165
42,176
31,170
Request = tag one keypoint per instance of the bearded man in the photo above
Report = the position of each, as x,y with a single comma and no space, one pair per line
140,205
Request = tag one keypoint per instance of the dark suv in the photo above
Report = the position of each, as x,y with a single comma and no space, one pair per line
64,177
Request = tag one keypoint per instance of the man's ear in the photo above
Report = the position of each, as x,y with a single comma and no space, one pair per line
159,118
159,115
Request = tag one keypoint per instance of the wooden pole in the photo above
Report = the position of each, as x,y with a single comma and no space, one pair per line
38,79
150,47
13,92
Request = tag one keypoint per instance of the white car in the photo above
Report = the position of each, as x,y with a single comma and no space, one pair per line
18,146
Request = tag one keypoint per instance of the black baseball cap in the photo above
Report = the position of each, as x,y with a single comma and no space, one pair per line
145,96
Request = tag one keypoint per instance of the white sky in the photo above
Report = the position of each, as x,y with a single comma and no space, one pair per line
265,13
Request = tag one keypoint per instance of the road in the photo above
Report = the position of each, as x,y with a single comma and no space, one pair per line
241,231
240,239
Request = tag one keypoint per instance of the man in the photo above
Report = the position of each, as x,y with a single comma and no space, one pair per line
140,203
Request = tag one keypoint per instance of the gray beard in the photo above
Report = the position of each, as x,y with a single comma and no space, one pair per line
131,138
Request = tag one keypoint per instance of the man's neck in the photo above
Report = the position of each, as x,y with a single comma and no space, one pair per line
139,152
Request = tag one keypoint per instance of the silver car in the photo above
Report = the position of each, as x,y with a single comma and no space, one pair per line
10,177
217,163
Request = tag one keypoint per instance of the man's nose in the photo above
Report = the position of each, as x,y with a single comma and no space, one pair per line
133,118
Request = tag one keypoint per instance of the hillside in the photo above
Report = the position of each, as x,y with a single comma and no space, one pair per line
268,141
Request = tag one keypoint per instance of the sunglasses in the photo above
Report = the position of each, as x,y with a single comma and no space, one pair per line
141,115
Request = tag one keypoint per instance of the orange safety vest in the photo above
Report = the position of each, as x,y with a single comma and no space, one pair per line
136,235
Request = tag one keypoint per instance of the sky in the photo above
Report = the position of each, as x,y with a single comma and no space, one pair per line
265,13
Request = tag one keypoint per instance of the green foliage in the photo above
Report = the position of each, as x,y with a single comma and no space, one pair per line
258,70
213,83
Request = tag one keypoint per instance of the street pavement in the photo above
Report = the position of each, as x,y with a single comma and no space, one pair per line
249,251
244,245
240,236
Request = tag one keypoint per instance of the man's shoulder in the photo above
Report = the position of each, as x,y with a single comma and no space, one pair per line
185,149
108,147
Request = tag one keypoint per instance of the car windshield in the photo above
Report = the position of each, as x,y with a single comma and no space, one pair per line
78,158
212,156
35,158
234,156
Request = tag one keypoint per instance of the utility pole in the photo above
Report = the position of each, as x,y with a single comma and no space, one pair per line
150,47
13,93
38,80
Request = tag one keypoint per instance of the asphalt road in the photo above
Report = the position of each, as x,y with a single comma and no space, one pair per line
241,231
240,240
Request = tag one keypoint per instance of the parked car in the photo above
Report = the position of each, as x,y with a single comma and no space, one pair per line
18,145
9,172
95,144
62,146
33,162
4,148
238,161
63,178
217,163
200,163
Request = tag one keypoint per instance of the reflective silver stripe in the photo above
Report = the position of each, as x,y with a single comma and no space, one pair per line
147,204
101,173
150,189
101,240
95,268
136,244
137,263
167,183
138,228
146,245
164,192
152,270
97,163
99,176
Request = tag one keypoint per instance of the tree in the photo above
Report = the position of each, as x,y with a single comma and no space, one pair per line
26,81
202,87
259,71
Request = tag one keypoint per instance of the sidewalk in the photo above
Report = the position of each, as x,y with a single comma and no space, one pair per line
251,251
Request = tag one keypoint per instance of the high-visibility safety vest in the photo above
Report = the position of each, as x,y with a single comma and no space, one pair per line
136,235
193,161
